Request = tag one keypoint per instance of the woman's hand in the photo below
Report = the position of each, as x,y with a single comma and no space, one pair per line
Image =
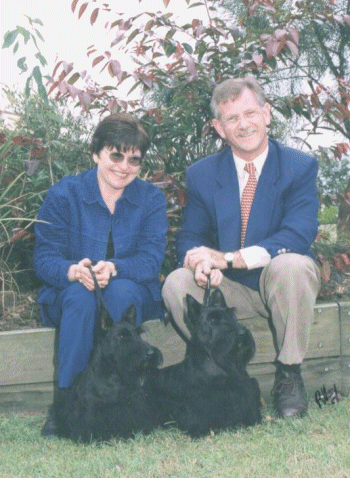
103,272
80,272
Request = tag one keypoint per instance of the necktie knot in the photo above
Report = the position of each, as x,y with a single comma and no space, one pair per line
250,168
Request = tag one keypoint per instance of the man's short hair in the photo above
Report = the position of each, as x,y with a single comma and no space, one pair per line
231,89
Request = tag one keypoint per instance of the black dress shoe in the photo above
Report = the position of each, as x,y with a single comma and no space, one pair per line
289,395
49,430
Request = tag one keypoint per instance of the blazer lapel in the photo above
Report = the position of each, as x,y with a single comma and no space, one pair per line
265,195
227,203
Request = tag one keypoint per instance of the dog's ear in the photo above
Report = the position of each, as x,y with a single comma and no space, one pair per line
130,315
193,312
217,299
106,320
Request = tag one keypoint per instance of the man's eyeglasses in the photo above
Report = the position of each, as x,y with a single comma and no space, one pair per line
247,115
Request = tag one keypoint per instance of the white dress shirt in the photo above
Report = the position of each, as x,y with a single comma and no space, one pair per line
253,256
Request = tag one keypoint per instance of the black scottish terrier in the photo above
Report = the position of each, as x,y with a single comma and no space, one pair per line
210,390
110,398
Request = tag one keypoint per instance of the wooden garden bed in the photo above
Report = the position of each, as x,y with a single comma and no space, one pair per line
27,358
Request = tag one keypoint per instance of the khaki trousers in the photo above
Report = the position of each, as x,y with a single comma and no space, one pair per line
289,285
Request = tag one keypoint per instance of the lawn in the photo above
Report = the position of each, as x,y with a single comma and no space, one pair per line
317,446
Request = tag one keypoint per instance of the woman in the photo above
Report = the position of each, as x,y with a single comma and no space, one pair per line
108,218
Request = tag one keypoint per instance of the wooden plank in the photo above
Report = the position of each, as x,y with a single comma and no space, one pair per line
316,373
345,345
325,332
166,339
324,335
27,356
28,397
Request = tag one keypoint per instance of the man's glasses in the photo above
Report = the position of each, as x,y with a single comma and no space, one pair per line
247,116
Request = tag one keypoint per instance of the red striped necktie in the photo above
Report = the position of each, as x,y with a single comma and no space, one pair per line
247,199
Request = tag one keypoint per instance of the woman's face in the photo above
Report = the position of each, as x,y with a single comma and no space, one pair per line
116,169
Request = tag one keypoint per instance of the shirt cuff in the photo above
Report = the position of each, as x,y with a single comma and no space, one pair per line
255,256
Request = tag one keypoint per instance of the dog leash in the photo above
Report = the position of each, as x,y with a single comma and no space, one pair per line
101,303
205,303
207,293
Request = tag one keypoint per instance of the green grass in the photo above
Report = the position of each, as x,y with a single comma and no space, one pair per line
317,446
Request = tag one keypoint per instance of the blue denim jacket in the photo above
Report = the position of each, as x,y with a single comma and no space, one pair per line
74,223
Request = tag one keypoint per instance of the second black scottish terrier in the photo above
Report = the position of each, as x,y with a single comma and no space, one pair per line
210,390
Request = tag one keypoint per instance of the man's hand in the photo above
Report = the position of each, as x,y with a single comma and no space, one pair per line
204,270
201,254
205,262
214,258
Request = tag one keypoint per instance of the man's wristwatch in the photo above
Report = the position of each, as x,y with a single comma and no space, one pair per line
229,256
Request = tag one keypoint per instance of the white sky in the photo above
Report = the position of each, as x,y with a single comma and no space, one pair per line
61,32
66,37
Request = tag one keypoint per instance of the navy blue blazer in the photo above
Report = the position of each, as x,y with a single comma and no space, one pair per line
283,214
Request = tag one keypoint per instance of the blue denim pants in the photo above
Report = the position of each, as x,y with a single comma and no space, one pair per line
74,313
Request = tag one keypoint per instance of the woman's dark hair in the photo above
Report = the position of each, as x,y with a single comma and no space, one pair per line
121,131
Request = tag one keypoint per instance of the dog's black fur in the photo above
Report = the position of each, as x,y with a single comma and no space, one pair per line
110,399
210,390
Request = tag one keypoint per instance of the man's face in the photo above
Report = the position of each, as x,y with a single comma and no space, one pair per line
243,123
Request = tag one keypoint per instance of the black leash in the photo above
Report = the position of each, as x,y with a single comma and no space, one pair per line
207,293
179,332
101,303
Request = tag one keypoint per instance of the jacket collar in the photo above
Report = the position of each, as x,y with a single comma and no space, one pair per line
91,191
227,202
226,166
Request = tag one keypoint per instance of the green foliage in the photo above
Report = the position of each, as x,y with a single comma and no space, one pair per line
179,125
173,187
16,218
46,144
328,215
13,38
333,176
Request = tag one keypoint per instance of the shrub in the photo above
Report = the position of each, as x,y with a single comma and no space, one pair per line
46,144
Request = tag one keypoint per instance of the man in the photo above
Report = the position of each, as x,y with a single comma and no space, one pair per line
263,264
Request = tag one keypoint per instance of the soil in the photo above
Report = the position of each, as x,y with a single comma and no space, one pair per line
19,311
